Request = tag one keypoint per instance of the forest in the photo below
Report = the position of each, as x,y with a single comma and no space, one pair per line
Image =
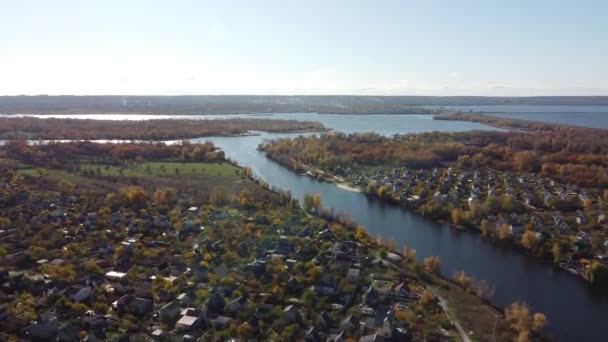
564,155
162,129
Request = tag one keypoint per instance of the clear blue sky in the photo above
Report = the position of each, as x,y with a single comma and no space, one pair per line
304,47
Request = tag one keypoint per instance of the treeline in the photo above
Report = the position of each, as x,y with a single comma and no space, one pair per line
567,156
52,128
64,154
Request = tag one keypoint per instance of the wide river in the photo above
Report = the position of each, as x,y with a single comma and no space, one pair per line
575,312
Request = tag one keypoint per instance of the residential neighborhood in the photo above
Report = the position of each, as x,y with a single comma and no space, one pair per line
562,221
78,265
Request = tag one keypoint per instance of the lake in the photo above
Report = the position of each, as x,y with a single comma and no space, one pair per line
574,310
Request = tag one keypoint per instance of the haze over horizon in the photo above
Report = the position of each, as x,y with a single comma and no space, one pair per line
519,48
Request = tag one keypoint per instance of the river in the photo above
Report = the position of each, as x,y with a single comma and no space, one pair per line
575,312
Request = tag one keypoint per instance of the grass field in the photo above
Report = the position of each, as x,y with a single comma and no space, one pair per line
473,314
198,179
166,169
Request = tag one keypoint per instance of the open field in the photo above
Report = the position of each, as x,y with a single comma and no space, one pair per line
197,179
472,313
165,169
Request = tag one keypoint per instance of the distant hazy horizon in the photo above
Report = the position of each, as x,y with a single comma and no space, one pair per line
271,47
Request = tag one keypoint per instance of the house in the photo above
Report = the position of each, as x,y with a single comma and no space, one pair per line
185,299
285,245
312,335
200,272
221,322
141,306
581,236
78,293
235,306
564,227
216,302
291,314
601,218
370,296
44,328
324,322
388,323
135,305
257,267
57,262
515,229
353,275
113,275
371,338
186,322
292,285
581,218
326,234
169,312
69,333
403,292
349,324
339,337
157,334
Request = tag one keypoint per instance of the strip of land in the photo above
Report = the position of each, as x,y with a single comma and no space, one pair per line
516,124
165,129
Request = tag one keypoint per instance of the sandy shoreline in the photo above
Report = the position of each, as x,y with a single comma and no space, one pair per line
347,187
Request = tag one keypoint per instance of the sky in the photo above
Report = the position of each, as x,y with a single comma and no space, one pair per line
381,47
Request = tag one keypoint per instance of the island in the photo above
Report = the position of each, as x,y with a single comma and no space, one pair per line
33,128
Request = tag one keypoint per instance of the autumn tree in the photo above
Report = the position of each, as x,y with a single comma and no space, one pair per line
383,191
456,216
135,196
218,196
529,239
484,227
431,264
503,232
523,322
597,273
462,279
165,196
312,202
426,297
